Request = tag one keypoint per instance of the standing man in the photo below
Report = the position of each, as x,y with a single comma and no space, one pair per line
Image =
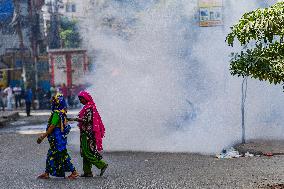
40,96
2,99
28,99
17,92
9,92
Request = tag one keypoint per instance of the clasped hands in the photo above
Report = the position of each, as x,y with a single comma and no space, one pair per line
72,119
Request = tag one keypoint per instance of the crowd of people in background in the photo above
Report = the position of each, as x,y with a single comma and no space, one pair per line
14,98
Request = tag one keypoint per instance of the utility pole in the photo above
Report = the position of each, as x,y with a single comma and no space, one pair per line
17,23
53,35
18,28
35,31
244,96
34,12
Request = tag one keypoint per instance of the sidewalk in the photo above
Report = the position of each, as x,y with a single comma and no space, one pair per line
8,116
20,118
262,147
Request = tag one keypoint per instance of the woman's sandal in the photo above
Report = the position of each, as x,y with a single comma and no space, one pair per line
43,176
73,175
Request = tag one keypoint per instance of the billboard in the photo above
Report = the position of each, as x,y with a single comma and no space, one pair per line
67,66
6,10
210,13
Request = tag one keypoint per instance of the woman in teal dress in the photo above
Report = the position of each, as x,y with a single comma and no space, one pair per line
58,160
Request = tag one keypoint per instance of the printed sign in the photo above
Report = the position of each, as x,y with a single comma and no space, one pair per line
210,3
60,74
210,13
60,62
77,62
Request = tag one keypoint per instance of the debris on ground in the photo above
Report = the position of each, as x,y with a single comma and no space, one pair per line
232,153
247,154
228,153
273,186
268,154
261,147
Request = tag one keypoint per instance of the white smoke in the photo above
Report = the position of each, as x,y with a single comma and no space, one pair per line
162,83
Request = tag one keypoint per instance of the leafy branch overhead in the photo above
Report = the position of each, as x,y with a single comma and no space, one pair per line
263,29
69,33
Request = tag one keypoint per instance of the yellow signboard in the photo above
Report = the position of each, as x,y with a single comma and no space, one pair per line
3,78
210,13
210,3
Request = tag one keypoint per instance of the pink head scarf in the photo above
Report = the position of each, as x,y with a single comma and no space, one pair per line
98,126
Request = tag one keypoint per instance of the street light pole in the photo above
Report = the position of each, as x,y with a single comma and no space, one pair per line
54,39
17,24
36,34
244,96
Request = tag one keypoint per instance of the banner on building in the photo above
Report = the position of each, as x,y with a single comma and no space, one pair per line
6,10
210,13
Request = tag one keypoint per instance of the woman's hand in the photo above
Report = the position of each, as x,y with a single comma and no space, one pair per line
48,132
40,138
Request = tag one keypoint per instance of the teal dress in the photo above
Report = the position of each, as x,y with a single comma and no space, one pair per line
58,160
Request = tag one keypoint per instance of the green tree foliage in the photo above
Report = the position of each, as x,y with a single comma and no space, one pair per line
261,34
69,33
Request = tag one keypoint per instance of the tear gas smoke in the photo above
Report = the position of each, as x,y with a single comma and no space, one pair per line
162,83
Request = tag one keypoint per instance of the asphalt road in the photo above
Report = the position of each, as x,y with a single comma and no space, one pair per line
22,160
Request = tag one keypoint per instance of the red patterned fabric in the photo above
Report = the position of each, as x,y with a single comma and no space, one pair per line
98,126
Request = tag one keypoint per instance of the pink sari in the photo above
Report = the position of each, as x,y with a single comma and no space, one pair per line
98,126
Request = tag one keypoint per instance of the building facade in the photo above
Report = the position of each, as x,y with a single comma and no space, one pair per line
68,66
22,41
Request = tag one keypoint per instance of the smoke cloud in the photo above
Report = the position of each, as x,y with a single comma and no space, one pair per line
162,83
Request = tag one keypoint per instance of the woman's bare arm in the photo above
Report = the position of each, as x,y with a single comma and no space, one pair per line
48,132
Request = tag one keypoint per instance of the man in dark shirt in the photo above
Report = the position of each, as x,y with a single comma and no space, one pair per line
28,99
17,92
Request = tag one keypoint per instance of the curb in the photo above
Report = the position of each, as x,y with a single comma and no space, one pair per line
5,119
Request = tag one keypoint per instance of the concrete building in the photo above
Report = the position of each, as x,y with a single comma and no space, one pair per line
75,9
21,40
9,38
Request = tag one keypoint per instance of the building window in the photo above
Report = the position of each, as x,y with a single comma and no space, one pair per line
1,75
70,7
73,8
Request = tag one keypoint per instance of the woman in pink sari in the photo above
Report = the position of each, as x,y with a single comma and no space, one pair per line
91,133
